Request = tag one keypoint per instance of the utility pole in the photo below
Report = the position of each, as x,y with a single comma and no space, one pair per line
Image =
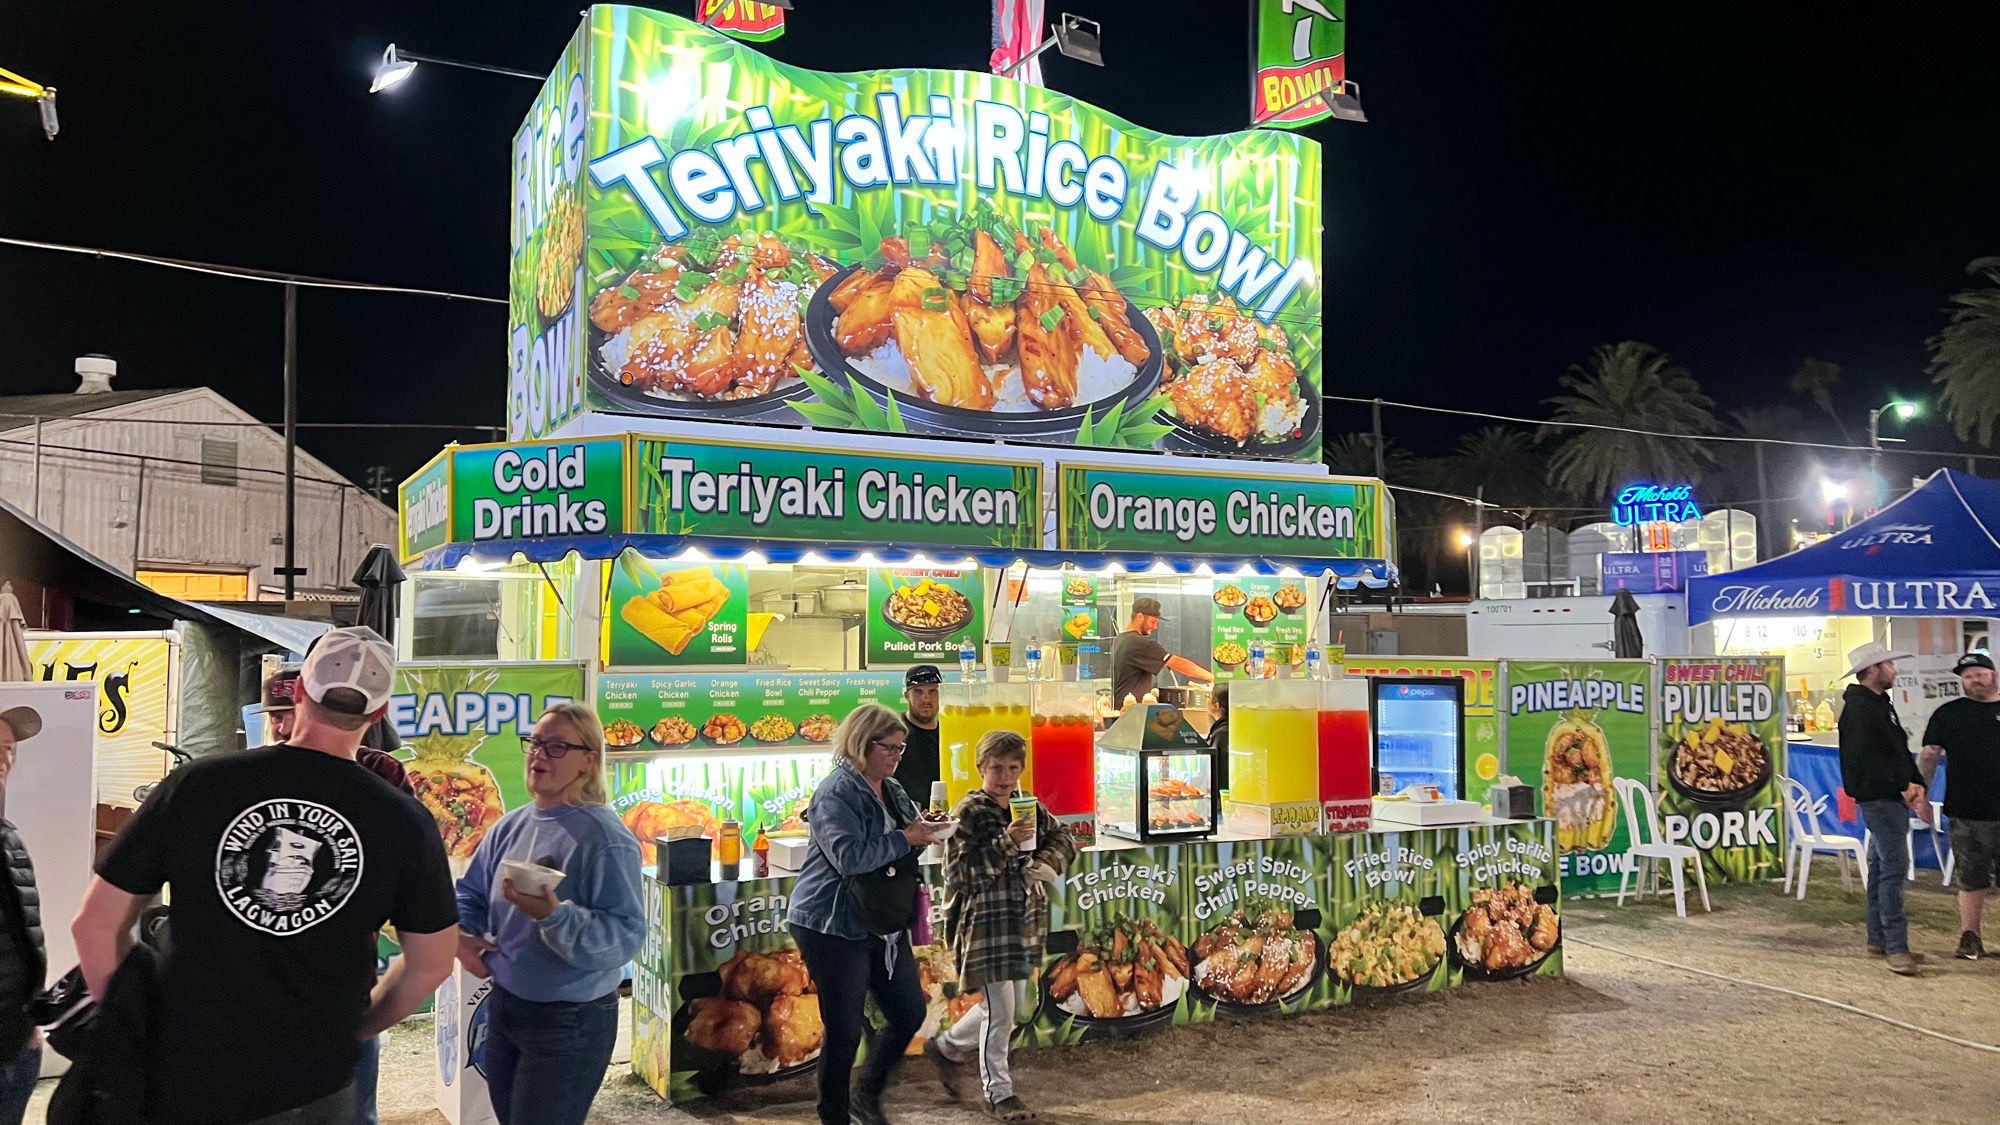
1765,527
378,482
1379,460
291,568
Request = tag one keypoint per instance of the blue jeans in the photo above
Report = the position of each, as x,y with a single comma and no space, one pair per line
1888,825
17,1084
367,1071
545,1061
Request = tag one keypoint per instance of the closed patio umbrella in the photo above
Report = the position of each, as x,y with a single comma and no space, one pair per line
1626,641
381,581
14,664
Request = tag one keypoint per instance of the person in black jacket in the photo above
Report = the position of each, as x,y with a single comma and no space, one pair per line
23,962
1880,774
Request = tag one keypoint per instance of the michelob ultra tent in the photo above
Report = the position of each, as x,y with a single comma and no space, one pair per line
1933,553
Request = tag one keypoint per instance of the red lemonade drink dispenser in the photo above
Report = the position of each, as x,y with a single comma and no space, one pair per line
1345,753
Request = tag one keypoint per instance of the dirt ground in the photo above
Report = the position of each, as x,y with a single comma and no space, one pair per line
1620,1040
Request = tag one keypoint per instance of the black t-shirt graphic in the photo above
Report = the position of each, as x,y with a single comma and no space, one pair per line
920,765
1969,731
284,864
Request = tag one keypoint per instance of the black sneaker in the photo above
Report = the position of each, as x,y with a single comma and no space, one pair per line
948,1071
864,1107
1970,948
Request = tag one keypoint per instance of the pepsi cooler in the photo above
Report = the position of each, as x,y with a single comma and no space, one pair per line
1419,730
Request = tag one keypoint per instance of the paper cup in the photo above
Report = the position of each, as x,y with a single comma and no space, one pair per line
530,878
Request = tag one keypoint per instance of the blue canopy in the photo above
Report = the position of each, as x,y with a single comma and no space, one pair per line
1933,553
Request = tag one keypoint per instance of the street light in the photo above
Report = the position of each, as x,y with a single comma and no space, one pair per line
397,65
44,98
1073,38
1343,102
1466,541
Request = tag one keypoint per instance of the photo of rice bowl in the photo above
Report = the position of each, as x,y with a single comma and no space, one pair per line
971,319
1232,382
706,323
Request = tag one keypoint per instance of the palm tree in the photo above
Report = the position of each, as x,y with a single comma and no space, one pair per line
1815,379
1354,455
1503,460
1629,385
1965,356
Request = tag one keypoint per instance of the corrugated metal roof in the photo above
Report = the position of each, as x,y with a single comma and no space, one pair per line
17,409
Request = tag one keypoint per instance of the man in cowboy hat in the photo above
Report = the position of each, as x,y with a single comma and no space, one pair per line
1880,774
22,960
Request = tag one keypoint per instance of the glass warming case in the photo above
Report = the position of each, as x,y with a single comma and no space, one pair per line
1155,778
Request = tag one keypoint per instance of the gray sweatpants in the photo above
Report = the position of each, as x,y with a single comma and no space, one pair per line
986,1031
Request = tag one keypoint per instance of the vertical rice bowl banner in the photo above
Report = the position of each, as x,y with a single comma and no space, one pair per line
1391,893
135,681
921,616
1252,927
704,233
1505,913
1571,729
1722,748
1482,722
461,726
1114,908
662,613
1301,50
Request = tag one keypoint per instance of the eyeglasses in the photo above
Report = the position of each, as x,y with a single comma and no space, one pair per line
891,747
550,747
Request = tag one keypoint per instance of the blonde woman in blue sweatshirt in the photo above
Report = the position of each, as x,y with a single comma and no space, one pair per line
556,958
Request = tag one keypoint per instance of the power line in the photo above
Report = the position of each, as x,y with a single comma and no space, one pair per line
96,419
244,273
158,460
1741,439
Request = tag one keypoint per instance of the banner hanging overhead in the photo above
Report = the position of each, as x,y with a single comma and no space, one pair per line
703,233
1301,50
743,19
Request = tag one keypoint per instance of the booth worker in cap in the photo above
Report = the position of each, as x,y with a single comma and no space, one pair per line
1879,772
1968,729
921,764
22,960
1136,658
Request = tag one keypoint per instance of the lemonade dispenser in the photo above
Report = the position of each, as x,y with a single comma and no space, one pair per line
965,713
1274,756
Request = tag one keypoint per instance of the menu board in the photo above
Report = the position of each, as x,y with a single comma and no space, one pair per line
1080,613
664,613
1573,729
696,712
1251,609
1722,748
921,615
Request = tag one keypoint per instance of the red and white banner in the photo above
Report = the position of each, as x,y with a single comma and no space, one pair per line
1018,28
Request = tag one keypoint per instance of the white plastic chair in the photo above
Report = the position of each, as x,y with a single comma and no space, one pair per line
1651,845
1935,828
1802,815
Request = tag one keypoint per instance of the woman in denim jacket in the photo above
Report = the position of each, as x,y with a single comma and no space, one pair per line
861,821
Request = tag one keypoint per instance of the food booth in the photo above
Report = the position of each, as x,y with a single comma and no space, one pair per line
816,377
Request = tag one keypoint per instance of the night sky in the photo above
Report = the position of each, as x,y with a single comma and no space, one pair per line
1738,187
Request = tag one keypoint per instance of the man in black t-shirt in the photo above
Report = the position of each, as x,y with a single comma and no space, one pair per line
1968,730
1137,658
285,861
921,764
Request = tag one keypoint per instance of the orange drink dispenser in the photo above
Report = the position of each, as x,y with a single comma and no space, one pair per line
1344,753
1061,750
965,713
1274,742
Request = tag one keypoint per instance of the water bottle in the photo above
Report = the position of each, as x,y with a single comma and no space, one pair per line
968,655
1313,660
1034,656
1257,659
